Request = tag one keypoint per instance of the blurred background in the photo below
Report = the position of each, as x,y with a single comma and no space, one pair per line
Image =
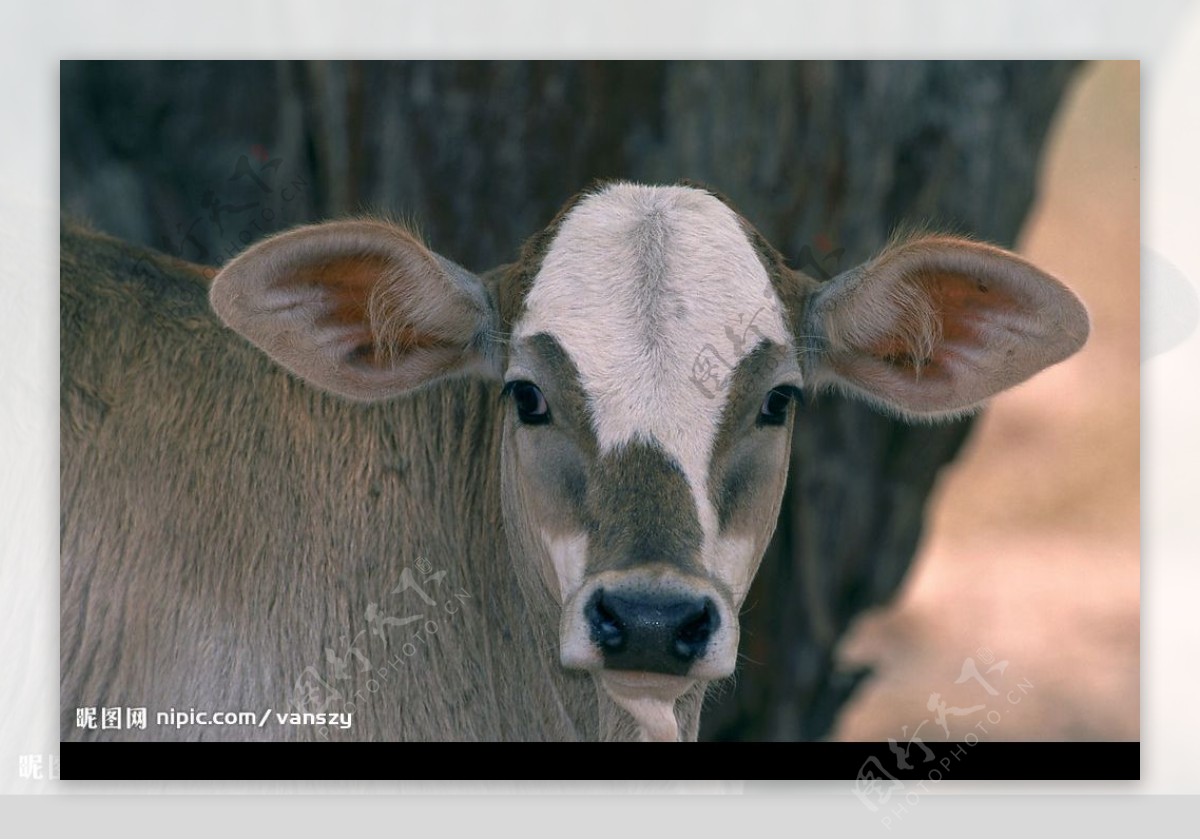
1033,537
1028,543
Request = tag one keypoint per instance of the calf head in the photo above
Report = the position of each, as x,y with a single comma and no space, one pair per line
650,346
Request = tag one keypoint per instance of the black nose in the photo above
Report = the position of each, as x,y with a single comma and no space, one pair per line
637,631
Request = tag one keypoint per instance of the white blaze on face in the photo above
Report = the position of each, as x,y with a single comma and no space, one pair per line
638,285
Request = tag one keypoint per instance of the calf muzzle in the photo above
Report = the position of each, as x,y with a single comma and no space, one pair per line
638,631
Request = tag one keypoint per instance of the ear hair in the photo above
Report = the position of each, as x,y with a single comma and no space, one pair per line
931,328
903,321
361,308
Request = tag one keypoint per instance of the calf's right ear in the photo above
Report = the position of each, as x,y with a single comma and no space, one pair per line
358,308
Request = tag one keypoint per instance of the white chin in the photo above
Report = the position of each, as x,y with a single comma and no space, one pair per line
649,699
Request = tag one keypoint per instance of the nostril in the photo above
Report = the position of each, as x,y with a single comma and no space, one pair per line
636,630
694,632
607,630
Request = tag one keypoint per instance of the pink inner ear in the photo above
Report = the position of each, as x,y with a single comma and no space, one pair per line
357,308
932,340
937,326
346,284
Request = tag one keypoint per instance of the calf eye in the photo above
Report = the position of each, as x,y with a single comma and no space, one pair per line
774,410
531,405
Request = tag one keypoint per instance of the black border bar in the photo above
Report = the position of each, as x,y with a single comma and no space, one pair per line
867,762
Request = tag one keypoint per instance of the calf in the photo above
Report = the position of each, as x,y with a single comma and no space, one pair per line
582,454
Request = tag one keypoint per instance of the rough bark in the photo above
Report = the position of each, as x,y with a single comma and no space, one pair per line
826,159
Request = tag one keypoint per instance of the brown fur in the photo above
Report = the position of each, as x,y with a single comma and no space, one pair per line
228,529
223,524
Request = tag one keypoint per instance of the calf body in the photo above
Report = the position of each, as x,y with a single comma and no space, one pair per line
537,513
224,524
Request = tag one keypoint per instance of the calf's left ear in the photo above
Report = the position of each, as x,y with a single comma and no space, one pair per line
934,326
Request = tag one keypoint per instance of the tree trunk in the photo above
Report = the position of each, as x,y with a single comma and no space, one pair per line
826,159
